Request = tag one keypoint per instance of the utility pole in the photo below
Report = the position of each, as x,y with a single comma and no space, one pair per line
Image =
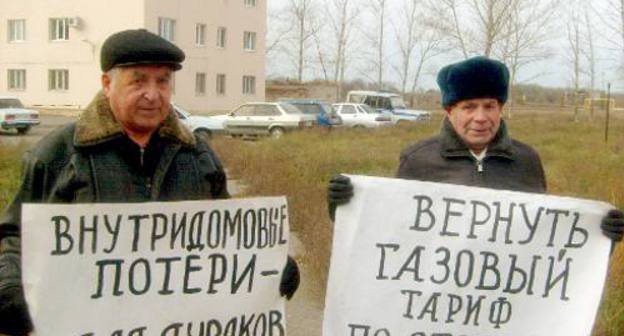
608,107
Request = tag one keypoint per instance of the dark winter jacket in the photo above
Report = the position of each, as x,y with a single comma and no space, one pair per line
91,161
508,164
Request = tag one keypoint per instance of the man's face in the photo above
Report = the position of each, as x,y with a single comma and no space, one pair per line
139,96
476,121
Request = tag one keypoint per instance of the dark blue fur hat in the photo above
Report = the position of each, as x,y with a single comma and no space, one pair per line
477,77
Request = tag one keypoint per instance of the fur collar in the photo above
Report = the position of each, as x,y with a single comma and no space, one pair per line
97,125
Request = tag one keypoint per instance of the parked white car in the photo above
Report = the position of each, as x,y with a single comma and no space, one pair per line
361,115
273,119
13,115
390,103
200,125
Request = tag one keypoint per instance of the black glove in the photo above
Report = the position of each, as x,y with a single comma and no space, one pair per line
339,191
290,279
14,318
613,225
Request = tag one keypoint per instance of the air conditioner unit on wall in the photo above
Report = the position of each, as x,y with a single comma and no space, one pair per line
75,22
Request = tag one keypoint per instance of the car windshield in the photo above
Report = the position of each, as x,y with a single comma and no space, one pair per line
368,109
290,109
329,109
9,103
356,98
181,113
308,108
397,102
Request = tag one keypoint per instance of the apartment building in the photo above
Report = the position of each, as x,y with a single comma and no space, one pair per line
50,49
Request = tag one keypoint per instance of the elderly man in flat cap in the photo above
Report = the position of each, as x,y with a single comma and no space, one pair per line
473,147
127,146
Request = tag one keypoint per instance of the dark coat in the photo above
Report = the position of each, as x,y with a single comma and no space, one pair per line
93,161
508,164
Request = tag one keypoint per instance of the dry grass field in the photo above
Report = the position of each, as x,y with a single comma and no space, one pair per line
578,163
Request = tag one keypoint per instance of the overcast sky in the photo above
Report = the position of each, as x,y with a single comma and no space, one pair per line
553,71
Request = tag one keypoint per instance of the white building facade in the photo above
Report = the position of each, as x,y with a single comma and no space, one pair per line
50,49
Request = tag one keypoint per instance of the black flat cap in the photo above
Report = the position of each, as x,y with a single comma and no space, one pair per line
139,46
477,77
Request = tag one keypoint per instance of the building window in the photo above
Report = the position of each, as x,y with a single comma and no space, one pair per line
249,85
59,29
58,80
200,34
221,38
200,84
16,79
166,28
249,41
220,84
17,30
250,3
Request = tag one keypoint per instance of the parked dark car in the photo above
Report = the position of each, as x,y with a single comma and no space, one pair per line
325,113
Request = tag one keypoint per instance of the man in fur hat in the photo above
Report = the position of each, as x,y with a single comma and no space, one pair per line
127,146
473,147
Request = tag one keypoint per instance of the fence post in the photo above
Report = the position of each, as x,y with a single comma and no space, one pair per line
608,108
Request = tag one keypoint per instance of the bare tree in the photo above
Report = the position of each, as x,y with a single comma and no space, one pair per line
613,18
611,13
527,31
321,53
406,38
488,18
430,45
280,28
574,41
444,17
341,15
416,42
590,53
492,18
514,31
377,39
301,13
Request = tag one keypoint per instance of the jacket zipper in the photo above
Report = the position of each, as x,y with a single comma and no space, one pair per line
479,166
148,180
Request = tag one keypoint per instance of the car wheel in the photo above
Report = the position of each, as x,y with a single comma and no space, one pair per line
203,133
359,127
276,132
23,130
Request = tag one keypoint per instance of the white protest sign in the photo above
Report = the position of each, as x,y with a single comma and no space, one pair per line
415,258
164,269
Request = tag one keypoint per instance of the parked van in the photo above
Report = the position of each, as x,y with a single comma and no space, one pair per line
387,102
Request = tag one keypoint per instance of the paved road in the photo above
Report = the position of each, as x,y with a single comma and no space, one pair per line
48,123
